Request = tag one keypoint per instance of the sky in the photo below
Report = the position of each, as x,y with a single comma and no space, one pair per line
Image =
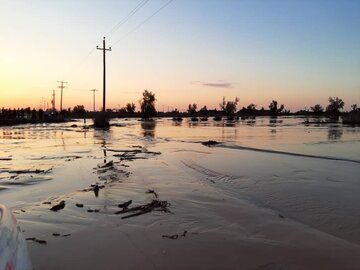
190,51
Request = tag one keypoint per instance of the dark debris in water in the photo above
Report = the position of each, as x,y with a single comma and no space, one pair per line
107,165
94,187
125,204
210,143
175,236
154,205
34,239
151,191
128,156
59,206
37,171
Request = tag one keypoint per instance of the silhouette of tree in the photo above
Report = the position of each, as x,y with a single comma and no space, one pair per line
274,110
147,104
79,109
354,107
251,107
334,107
130,108
192,108
204,111
229,107
317,109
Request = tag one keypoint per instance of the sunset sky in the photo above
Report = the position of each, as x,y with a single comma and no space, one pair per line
191,51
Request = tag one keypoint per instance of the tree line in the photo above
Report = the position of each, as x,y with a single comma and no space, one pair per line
147,110
229,108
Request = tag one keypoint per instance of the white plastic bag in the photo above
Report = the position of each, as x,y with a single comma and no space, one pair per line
13,250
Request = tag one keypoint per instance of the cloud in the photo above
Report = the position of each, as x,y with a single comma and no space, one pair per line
218,84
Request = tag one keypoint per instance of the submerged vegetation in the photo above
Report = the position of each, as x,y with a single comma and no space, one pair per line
274,110
147,105
335,105
229,107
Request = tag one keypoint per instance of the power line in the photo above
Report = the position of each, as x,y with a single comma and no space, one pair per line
87,56
126,18
118,25
143,22
123,21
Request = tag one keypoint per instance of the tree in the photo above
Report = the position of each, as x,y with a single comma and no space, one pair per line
317,109
354,107
334,107
79,109
175,111
251,107
274,110
229,107
204,111
147,104
192,108
130,108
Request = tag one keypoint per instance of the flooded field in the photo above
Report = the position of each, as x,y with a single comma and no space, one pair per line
272,194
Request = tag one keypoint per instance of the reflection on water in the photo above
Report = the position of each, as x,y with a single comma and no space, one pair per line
148,128
229,134
230,123
274,121
251,122
334,133
102,136
177,123
193,124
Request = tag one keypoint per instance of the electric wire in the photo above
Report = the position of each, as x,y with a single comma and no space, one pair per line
117,26
128,17
143,22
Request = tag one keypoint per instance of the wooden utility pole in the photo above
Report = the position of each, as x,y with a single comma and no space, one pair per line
53,100
104,72
93,90
61,95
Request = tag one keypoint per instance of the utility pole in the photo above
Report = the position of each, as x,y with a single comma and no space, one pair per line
61,95
43,103
53,100
94,90
104,72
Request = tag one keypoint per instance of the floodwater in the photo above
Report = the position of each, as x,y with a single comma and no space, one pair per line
274,194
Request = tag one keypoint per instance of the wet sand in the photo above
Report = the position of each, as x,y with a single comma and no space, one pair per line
229,208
